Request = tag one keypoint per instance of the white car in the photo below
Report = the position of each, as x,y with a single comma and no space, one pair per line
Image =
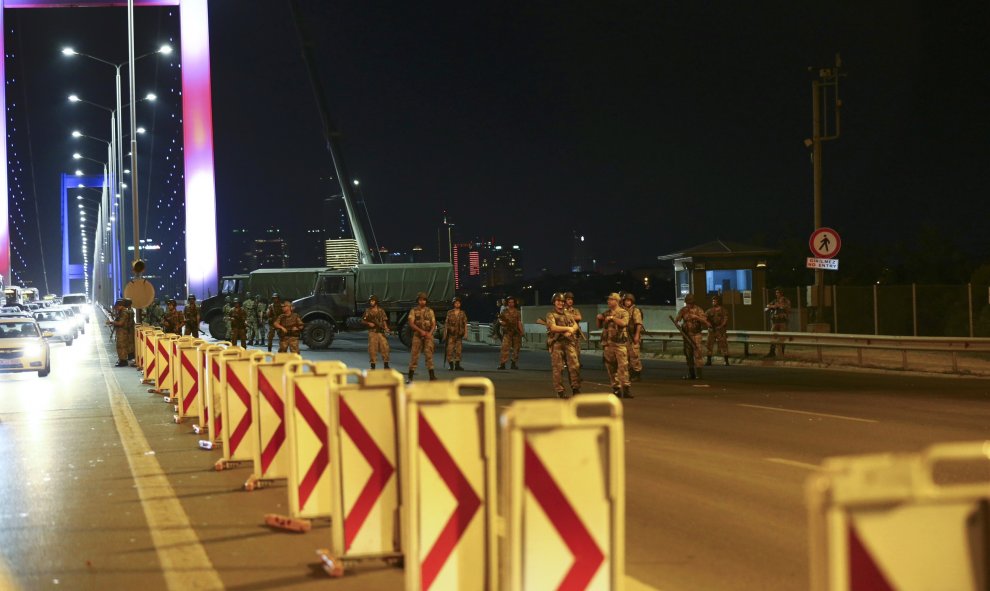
56,325
76,318
22,348
79,303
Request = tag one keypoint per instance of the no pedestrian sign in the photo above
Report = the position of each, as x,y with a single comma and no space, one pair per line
826,264
825,243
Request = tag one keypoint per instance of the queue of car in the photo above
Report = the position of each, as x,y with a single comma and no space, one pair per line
27,328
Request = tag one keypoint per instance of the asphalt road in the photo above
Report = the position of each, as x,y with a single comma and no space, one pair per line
715,473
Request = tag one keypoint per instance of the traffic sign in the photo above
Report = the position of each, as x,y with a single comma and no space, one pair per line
825,243
826,264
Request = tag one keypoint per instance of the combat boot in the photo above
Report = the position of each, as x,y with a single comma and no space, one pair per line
451,366
457,366
514,366
726,360
411,373
709,360
433,376
626,393
269,348
372,366
575,391
773,351
386,365
690,374
697,374
501,366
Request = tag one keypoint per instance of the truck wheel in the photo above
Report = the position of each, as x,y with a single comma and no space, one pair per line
405,336
318,334
218,329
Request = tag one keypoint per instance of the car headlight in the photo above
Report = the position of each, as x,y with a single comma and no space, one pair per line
32,350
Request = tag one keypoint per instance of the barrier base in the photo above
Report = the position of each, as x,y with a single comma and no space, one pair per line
256,482
222,464
336,567
288,523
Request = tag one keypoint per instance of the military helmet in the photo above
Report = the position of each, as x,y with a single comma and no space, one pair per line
614,296
510,299
172,302
422,296
119,302
558,296
689,298
274,295
629,296
248,295
191,297
227,299
717,299
128,302
456,298
568,295
237,301
373,298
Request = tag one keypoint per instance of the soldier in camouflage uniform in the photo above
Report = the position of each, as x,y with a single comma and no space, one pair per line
272,313
290,327
562,342
154,313
238,324
227,307
613,323
376,320
635,330
191,316
454,331
575,313
510,320
422,322
251,310
123,331
780,314
259,308
172,322
691,318
718,319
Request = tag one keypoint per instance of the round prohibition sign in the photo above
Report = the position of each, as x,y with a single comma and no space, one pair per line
825,243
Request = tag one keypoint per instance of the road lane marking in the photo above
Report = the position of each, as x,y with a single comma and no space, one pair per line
7,581
794,463
805,412
184,561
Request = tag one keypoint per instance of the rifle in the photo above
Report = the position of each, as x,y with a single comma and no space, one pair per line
580,333
688,343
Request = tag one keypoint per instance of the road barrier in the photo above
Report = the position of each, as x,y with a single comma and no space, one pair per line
563,494
176,381
307,421
163,363
237,431
906,522
217,385
149,371
449,445
204,369
364,439
268,448
139,344
189,387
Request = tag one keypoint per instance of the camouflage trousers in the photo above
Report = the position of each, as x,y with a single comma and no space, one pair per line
192,330
422,345
124,343
617,364
455,346
271,334
561,354
693,357
511,343
290,344
238,334
252,331
377,344
717,336
632,350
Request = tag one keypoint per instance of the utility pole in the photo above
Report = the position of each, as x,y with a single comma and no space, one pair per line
824,94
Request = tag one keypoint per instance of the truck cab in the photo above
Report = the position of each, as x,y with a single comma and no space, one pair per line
327,309
211,308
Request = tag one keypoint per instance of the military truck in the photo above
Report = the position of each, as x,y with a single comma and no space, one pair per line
340,298
333,300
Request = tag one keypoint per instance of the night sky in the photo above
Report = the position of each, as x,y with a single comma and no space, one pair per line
647,126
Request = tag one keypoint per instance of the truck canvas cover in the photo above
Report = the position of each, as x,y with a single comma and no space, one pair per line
291,284
394,283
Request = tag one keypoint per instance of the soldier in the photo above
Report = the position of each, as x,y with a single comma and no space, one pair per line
227,307
272,314
129,318
563,346
780,313
377,322
119,323
191,316
251,322
510,321
154,313
576,315
423,322
718,319
172,322
635,330
454,331
259,308
289,326
691,318
238,325
613,323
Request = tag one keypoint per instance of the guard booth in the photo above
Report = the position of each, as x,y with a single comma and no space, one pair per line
735,271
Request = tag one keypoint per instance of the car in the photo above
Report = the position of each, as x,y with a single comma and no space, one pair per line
79,303
75,317
56,325
22,348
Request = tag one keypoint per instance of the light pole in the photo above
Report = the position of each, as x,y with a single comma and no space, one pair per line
164,50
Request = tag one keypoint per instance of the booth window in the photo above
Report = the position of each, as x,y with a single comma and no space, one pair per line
722,281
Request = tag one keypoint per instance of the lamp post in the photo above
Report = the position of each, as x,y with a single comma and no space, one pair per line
164,50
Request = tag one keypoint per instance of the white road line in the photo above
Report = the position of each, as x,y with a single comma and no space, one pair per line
805,412
794,463
7,581
184,561
635,585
